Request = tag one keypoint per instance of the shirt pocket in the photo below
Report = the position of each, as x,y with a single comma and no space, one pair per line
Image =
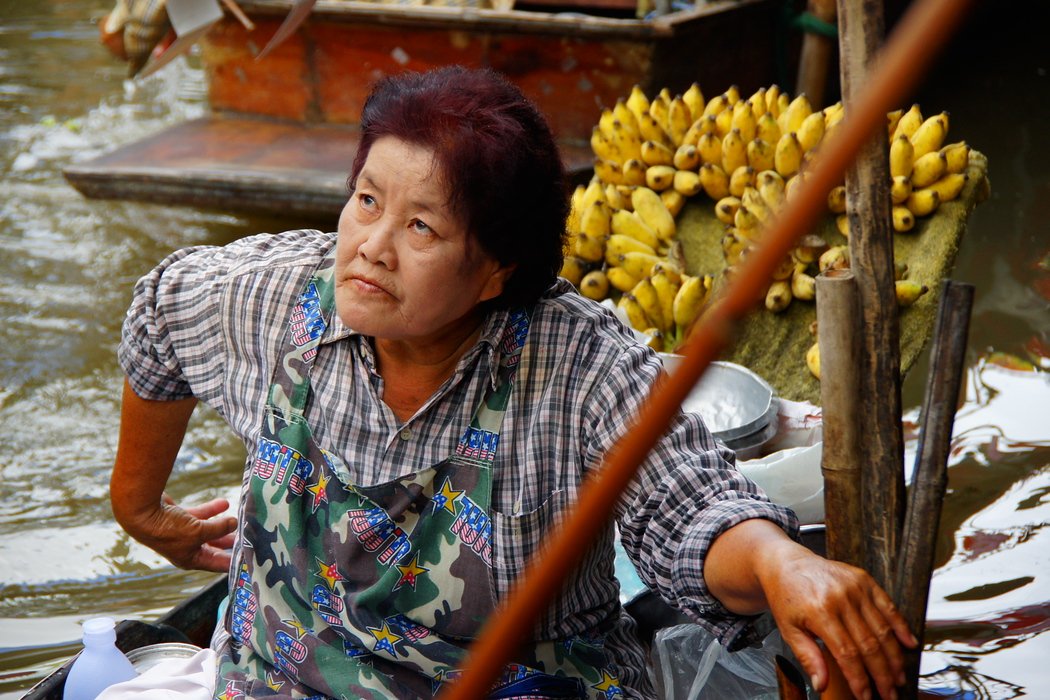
517,537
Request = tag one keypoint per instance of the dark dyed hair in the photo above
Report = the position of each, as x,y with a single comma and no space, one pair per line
498,158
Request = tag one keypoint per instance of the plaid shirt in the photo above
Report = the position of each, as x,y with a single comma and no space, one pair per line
208,322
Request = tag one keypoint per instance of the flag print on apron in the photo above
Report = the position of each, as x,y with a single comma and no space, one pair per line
352,591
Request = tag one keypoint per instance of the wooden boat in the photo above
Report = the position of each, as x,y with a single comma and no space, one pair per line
193,621
281,131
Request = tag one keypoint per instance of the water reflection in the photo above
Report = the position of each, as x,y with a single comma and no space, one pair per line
66,269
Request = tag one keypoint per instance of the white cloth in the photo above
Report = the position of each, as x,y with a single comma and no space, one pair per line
191,678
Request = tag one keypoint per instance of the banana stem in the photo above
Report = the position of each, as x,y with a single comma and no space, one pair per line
919,35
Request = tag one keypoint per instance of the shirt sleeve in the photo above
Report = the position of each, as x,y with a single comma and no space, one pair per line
687,492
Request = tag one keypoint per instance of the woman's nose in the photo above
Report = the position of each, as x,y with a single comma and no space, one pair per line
378,245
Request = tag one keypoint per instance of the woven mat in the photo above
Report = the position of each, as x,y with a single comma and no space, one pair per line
774,345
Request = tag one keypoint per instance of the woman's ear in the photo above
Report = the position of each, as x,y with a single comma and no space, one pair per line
496,282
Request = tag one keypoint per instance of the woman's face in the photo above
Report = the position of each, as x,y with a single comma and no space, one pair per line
406,266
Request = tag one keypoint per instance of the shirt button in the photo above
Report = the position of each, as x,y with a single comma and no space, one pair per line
405,434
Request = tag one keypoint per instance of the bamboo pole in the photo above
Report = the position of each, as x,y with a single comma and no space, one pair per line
815,56
790,684
920,34
930,476
871,255
838,332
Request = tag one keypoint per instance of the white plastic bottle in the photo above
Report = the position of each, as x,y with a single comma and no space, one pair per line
100,665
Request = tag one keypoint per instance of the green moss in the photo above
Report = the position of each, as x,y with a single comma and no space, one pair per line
774,345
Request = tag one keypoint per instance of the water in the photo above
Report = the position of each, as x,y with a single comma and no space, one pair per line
67,265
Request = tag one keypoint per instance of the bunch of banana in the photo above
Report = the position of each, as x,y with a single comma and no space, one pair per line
664,304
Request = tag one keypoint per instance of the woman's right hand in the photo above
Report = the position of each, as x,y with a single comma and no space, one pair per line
197,537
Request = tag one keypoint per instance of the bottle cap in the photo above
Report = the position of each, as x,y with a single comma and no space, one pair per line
98,625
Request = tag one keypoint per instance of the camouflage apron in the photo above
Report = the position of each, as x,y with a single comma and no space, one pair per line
353,591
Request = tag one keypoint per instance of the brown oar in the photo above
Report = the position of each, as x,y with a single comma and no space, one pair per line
919,35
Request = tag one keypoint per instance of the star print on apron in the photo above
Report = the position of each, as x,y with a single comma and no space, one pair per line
348,590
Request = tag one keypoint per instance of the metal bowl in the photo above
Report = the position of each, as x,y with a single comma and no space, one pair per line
735,402
145,658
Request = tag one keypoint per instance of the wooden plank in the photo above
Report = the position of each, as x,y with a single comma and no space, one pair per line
242,164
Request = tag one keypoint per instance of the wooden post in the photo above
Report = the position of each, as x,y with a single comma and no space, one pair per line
815,56
931,467
871,252
838,334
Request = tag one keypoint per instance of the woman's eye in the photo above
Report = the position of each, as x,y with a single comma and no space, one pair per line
420,227
367,201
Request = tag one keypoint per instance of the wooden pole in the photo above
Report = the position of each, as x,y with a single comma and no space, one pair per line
838,332
871,255
815,56
920,34
930,477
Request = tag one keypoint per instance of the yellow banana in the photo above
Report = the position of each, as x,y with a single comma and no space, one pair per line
608,171
637,102
811,131
715,181
634,172
654,338
778,296
788,157
605,120
745,120
813,360
660,107
694,97
733,94
628,143
666,289
923,202
902,157
594,192
634,312
809,248
629,223
620,278
688,302
747,222
615,198
803,285
716,105
758,102
842,224
659,177
673,200
573,269
785,268
619,244
797,111
710,148
692,136
930,135
908,122
645,293
909,291
679,119
900,188
833,114
687,182
950,186
892,119
724,122
928,169
669,270
734,151
572,222
725,209
753,200
654,153
792,184
651,130
595,220
595,285
740,179
637,264
687,157
834,258
761,154
589,248
653,211
626,117
837,200
957,156
903,219
773,94
767,129
602,146
733,245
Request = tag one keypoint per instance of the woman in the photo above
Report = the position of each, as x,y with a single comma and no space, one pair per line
420,396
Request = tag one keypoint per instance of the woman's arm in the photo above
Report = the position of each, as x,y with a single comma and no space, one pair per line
151,433
754,566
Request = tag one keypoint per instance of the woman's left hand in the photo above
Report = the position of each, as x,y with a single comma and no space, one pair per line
815,598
